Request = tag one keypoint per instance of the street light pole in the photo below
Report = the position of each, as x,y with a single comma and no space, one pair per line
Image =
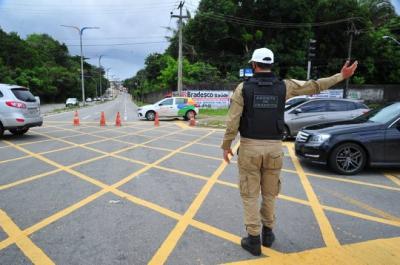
80,32
100,76
393,39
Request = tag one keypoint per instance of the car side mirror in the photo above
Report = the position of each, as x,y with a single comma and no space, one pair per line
160,104
297,111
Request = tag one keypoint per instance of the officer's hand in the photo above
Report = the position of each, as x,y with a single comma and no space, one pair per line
226,155
347,71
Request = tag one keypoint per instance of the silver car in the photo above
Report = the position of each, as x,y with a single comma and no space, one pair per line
19,110
317,111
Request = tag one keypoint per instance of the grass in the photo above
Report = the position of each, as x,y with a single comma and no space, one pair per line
213,112
215,118
139,103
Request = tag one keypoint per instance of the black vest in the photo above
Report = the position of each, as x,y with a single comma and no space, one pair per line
264,108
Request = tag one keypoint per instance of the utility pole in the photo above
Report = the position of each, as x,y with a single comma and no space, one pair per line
181,17
353,31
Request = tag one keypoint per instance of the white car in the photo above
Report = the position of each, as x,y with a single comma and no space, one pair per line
19,110
294,101
71,102
170,108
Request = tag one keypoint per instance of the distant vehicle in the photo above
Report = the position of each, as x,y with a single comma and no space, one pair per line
294,101
347,147
19,110
89,100
316,111
170,108
71,102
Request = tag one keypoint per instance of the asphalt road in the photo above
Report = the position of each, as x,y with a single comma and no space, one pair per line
91,113
140,194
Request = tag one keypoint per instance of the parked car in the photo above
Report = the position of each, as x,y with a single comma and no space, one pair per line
315,111
170,108
295,101
19,110
71,102
347,147
89,100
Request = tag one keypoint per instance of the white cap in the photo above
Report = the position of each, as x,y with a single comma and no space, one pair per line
263,55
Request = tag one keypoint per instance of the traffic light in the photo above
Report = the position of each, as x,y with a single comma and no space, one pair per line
312,49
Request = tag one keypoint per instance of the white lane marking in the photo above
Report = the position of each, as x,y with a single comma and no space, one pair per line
86,117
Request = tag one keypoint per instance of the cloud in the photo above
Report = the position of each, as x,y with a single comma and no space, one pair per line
129,29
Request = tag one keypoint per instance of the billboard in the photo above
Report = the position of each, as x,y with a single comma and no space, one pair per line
214,99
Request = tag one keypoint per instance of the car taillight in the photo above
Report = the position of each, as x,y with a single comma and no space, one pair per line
16,104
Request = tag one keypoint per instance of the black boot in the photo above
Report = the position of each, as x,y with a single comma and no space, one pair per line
268,237
252,244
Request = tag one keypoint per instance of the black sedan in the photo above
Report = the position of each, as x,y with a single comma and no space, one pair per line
347,147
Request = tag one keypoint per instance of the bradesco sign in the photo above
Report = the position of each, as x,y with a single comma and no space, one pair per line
209,98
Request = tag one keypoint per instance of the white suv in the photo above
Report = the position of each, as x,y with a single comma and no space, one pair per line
19,110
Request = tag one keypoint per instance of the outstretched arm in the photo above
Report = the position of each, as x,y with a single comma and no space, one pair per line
297,88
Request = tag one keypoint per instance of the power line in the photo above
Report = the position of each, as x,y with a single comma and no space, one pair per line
269,24
118,44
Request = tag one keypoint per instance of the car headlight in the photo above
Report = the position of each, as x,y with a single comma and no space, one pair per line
319,138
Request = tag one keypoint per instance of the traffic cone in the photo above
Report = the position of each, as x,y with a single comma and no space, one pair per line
118,120
102,119
192,121
76,119
156,120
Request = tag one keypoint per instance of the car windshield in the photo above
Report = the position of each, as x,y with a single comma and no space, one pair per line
383,115
23,94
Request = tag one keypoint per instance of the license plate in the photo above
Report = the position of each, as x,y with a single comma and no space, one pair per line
33,111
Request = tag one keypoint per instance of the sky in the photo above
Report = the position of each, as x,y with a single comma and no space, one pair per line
129,29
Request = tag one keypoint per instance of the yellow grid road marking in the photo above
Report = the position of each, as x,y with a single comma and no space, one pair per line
380,251
34,253
328,208
351,213
193,223
32,154
393,178
105,188
353,181
326,229
170,242
182,124
362,205
29,179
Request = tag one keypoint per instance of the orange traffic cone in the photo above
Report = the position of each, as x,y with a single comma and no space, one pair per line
118,120
76,119
192,121
156,120
102,119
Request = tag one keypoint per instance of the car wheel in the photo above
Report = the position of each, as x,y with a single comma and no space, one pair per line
1,130
189,114
150,115
19,131
286,133
348,159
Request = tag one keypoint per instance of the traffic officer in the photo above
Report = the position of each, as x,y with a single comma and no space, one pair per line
257,112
